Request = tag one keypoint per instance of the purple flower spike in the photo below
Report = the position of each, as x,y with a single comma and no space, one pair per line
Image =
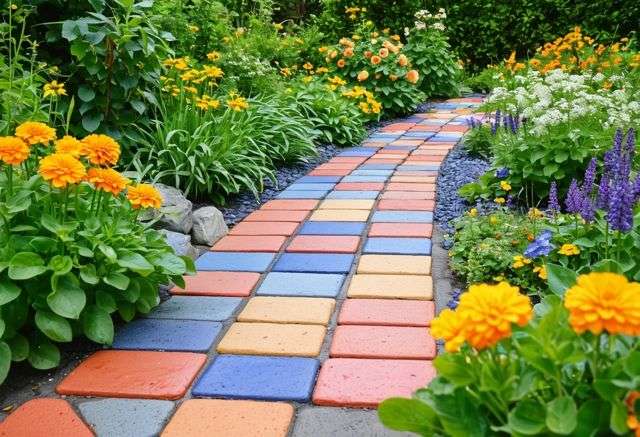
631,142
496,124
636,188
587,209
573,202
554,205
602,201
589,177
620,215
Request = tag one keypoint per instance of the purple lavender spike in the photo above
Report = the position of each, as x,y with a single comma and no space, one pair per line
496,124
554,205
620,215
589,177
573,202
587,209
602,201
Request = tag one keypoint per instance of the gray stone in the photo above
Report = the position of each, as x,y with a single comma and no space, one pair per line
208,226
126,417
176,210
196,308
180,243
340,422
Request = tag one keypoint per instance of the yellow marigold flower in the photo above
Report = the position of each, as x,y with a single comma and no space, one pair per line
363,75
395,37
34,132
520,261
541,271
493,220
341,63
473,212
101,149
322,49
192,28
213,56
237,103
337,81
490,311
107,179
535,213
505,186
403,61
69,145
307,79
413,76
61,169
13,150
322,70
569,249
54,89
383,52
499,200
307,66
449,326
144,196
213,72
603,301
364,107
347,52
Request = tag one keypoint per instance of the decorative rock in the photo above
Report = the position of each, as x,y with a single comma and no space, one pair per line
180,243
208,225
176,209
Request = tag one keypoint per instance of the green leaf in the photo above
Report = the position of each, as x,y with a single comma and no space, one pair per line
105,301
91,121
138,106
562,415
632,364
97,325
19,347
5,361
117,280
67,298
560,278
607,265
43,354
85,93
26,265
619,418
127,311
407,415
53,326
8,291
61,265
88,274
593,416
170,263
136,262
454,368
528,418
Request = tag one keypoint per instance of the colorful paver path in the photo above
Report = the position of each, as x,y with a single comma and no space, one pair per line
320,299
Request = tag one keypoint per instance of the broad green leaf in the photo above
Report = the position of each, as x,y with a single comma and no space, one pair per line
632,364
97,325
43,354
528,418
88,274
136,262
67,298
8,290
117,280
562,415
53,326
61,265
407,415
85,93
454,368
26,265
560,278
19,347
5,361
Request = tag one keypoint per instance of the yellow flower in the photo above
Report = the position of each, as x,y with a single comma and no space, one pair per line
363,75
101,149
307,79
337,81
212,72
285,71
520,261
473,212
237,103
499,200
490,311
13,150
603,301
535,213
144,196
403,61
569,249
322,70
54,89
107,179
413,76
541,271
307,66
193,28
449,326
493,220
213,56
34,132
61,169
505,186
69,145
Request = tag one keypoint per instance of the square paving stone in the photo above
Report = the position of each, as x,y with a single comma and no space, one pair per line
366,204
364,383
44,417
169,335
258,377
277,215
340,215
419,167
230,418
219,284
408,246
386,312
406,205
324,244
301,284
272,339
196,308
359,186
264,228
289,205
133,374
311,187
413,179
408,186
314,263
246,243
402,217
401,230
318,179
395,264
391,286
402,342
332,228
304,310
126,417
302,194
365,178
340,422
234,261
353,194
377,166
360,172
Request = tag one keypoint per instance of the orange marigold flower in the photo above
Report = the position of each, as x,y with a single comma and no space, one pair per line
403,61
101,149
34,132
13,150
367,54
341,63
384,52
363,75
490,311
375,59
603,301
413,76
348,52
107,179
69,145
61,169
144,196
449,326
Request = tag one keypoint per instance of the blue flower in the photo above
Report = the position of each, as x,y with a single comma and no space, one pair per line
541,246
455,299
502,173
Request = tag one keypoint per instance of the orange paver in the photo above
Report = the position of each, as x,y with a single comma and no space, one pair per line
133,374
324,243
266,215
357,186
402,342
244,243
406,205
351,382
230,418
417,195
386,312
44,417
219,284
398,127
400,229
264,228
290,204
404,186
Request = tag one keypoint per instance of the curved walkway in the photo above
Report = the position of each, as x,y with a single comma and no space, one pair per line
319,299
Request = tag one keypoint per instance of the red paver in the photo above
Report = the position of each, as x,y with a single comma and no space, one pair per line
44,417
406,205
329,172
290,204
133,374
402,342
401,229
324,243
424,195
411,186
384,161
264,228
246,243
357,186
276,216
219,284
351,382
386,312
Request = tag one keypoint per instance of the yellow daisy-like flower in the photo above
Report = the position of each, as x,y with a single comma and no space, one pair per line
107,179
490,311
450,327
307,66
144,196
505,186
473,212
69,145
520,261
54,89
237,103
603,301
61,169
541,271
34,132
101,150
569,250
500,200
213,56
13,150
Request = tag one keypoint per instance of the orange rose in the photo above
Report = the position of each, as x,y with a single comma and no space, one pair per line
413,76
403,61
363,75
375,59
367,54
341,63
384,52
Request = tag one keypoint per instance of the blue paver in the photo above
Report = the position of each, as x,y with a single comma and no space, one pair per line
433,122
332,228
314,263
399,147
403,246
402,217
167,334
196,308
347,194
311,187
377,166
442,138
301,284
234,261
318,179
418,134
369,172
286,194
365,178
258,377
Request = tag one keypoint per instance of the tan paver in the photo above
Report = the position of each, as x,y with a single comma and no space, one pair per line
305,310
395,264
418,287
365,204
340,215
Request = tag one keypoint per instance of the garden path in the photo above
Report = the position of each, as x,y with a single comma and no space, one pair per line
320,299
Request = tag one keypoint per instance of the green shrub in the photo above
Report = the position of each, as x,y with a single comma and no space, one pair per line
479,140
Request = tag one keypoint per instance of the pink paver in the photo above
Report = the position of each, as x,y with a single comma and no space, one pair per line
246,243
44,417
290,204
219,284
384,161
406,205
350,159
264,228
364,383
386,312
454,128
324,243
398,127
389,342
357,186
410,186
266,215
329,172
401,230
425,158
338,166
425,195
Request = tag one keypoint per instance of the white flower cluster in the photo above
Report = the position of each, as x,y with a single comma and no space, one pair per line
425,19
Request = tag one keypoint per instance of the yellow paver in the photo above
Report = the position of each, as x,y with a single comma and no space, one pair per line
340,215
395,264
347,204
391,287
305,310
